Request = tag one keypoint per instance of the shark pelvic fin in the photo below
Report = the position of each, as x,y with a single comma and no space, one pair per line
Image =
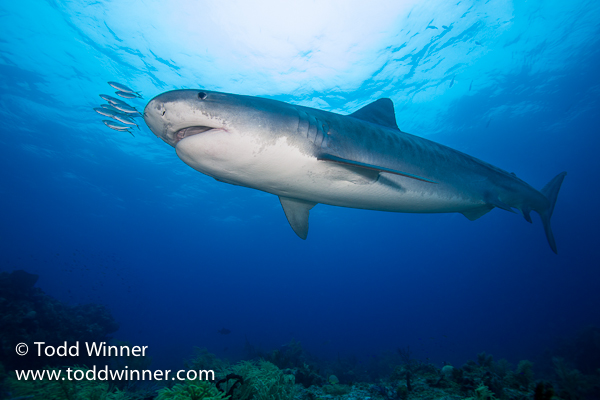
296,212
379,112
494,201
475,213
339,160
526,214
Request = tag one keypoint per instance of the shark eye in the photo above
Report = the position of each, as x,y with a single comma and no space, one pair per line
202,95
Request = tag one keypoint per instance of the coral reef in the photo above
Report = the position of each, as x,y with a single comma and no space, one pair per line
258,380
573,365
410,379
571,382
569,372
65,389
582,350
263,381
191,390
29,315
293,357
201,358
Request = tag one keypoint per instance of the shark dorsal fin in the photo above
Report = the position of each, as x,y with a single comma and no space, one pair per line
379,112
296,211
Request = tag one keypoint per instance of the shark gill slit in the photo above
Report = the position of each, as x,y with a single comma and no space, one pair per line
302,123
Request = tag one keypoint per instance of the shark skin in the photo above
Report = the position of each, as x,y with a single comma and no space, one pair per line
362,160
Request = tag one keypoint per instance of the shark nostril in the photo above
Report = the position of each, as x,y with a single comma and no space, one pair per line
164,111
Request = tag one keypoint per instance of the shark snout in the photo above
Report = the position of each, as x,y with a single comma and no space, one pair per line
174,119
155,108
154,116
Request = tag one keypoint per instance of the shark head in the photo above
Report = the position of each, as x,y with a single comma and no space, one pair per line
223,135
179,114
176,115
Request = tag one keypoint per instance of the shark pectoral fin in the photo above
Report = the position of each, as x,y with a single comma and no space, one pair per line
475,213
339,160
296,212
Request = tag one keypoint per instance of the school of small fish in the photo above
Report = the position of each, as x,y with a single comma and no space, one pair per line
122,114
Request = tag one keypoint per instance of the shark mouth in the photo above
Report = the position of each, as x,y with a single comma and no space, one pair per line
190,131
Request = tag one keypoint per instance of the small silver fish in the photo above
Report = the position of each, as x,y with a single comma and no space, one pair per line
126,120
117,126
124,89
121,87
127,95
113,113
104,111
110,107
126,108
112,100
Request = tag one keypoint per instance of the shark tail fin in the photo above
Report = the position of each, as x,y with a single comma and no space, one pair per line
551,192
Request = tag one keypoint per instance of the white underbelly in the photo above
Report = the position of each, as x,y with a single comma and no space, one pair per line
283,170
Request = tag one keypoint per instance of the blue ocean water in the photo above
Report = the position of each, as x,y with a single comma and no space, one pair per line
107,218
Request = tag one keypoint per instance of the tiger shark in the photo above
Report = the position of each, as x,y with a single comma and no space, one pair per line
361,160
